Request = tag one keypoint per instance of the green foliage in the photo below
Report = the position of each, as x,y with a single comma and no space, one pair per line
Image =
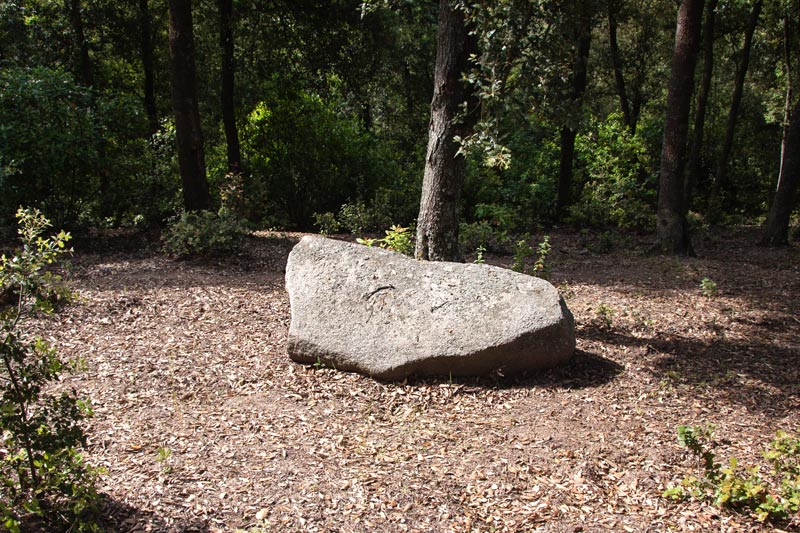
540,268
203,234
359,218
44,483
605,316
775,497
397,239
479,253
523,251
482,234
708,288
63,146
305,157
327,223
619,188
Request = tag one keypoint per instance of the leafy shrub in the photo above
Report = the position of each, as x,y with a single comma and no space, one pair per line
774,497
359,218
708,288
306,157
397,239
540,268
326,222
523,251
482,234
67,150
44,483
619,190
605,316
202,234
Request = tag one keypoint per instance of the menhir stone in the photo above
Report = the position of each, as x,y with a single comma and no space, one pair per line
388,316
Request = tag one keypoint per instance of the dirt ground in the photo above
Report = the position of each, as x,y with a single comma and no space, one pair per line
203,424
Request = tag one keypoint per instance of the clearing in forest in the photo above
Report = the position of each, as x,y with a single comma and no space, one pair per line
204,424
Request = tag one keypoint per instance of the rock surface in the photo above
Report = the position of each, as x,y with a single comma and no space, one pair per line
388,316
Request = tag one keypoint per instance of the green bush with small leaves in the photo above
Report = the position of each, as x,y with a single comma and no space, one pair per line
327,223
605,316
482,233
44,483
523,251
397,239
708,288
771,496
203,233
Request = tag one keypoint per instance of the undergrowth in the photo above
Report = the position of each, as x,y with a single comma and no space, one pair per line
771,495
44,483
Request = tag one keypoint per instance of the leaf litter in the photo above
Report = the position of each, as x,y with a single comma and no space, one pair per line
202,423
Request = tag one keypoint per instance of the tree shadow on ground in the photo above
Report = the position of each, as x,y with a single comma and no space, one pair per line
758,374
122,518
583,370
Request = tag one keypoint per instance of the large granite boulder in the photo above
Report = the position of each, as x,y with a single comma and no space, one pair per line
386,315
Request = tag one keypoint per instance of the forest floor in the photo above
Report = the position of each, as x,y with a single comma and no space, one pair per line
202,423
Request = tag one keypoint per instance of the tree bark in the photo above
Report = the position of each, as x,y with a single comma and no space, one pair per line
776,229
568,133
671,227
616,63
81,61
787,105
191,158
693,164
721,178
146,46
228,78
437,224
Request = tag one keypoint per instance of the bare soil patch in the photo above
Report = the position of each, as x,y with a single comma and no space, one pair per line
203,423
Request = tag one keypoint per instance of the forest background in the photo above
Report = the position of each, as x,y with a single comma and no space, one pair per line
316,113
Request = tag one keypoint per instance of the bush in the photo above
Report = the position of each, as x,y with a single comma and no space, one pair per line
398,239
203,234
359,218
44,483
772,497
64,148
619,190
482,234
305,157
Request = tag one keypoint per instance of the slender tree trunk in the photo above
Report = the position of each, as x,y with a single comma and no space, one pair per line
81,61
568,134
616,63
693,165
776,229
146,45
228,78
721,178
437,224
191,158
787,106
671,227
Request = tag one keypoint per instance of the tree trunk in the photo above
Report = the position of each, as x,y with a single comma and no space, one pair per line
146,45
616,63
191,158
671,227
721,178
228,78
81,61
568,134
693,165
787,105
437,224
776,229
